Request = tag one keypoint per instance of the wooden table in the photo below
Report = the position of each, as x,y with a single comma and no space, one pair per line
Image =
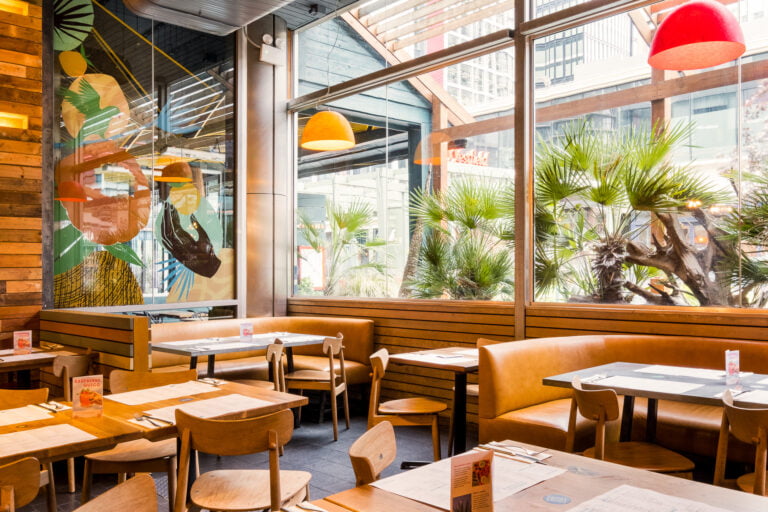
108,432
22,364
584,479
212,346
708,393
278,401
460,361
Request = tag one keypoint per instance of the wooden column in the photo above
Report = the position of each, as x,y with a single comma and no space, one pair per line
21,174
439,171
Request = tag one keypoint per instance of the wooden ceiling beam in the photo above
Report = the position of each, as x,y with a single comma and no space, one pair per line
417,25
366,10
408,18
390,12
504,5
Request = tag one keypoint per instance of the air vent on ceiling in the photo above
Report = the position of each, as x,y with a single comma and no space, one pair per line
219,17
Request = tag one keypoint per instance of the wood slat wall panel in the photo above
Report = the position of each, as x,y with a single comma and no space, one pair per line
20,175
406,326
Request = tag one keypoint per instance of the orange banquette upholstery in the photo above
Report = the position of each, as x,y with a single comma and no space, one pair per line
358,345
514,404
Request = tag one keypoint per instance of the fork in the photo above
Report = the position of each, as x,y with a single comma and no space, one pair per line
142,417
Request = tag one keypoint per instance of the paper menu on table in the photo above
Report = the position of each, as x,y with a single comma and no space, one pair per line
679,371
471,483
167,392
87,396
661,386
22,342
22,415
757,396
627,497
446,358
211,407
431,484
42,438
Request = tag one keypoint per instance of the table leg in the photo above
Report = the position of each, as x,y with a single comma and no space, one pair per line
459,413
289,359
626,418
192,362
650,422
211,366
24,379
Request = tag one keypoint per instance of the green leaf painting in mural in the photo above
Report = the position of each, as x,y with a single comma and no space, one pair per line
72,22
72,248
124,252
87,101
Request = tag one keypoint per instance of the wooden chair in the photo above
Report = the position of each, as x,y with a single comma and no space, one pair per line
134,495
230,490
749,426
373,452
66,367
274,356
140,456
12,398
331,381
602,406
405,411
20,483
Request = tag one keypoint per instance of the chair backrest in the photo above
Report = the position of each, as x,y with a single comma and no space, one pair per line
233,437
24,476
11,398
749,426
379,362
67,367
598,405
135,495
333,348
373,452
121,381
274,356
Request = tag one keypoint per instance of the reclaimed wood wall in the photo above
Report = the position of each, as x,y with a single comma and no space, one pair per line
408,325
21,87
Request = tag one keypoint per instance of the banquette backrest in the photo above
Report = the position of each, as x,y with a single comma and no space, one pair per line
511,373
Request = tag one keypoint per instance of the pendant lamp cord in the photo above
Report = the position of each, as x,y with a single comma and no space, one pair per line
328,57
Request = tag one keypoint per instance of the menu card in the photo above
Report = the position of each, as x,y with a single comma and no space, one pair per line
87,393
246,331
731,367
627,497
471,483
22,342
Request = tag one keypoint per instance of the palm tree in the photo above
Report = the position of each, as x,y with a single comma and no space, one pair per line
597,197
344,246
468,239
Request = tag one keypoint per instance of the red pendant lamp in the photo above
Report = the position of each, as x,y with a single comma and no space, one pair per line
696,35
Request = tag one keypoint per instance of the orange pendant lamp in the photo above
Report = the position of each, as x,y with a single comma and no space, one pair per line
696,35
177,172
327,131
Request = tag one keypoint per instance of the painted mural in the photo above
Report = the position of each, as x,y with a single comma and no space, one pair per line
144,183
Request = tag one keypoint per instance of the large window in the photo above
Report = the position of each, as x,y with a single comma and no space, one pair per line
144,148
649,187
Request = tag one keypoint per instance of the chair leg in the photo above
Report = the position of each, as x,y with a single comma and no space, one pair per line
121,478
322,408
298,414
435,438
346,407
171,481
87,480
334,415
70,475
50,490
451,433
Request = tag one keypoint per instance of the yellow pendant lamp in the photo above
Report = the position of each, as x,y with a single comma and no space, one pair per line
327,131
177,172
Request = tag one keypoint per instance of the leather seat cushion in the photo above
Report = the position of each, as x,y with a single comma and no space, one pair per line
237,369
417,405
357,373
544,425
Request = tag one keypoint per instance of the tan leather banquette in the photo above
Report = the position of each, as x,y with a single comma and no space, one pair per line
514,404
358,345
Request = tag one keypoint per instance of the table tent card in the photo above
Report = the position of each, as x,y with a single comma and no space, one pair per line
731,367
22,342
87,396
246,331
471,483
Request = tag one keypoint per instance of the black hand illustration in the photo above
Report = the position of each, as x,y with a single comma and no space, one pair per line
196,255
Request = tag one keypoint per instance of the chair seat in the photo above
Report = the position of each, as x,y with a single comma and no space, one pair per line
416,405
257,383
357,373
648,456
746,482
309,375
138,450
243,489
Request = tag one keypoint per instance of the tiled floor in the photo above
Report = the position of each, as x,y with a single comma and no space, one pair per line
311,449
